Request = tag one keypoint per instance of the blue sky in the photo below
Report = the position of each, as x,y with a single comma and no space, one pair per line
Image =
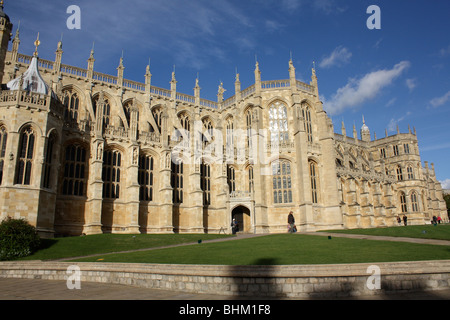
397,75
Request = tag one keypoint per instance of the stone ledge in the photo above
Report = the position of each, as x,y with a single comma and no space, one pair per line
293,281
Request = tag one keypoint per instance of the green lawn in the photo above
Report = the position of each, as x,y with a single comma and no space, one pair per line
106,243
440,231
284,249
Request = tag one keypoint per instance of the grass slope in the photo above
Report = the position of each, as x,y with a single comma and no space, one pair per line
285,249
439,232
106,243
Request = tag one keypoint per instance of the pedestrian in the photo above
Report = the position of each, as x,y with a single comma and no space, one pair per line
439,219
434,220
234,226
399,220
291,222
405,220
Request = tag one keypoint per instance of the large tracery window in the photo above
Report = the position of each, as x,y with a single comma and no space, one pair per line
282,184
208,132
71,101
185,124
231,178
112,162
145,178
251,181
25,158
48,161
403,205
414,202
313,173
399,174
106,110
205,182
3,139
306,113
229,132
278,123
157,112
248,123
410,172
177,181
74,180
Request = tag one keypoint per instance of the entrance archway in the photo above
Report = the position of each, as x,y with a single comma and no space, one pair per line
242,216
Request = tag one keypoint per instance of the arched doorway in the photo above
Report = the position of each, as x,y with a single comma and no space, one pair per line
242,216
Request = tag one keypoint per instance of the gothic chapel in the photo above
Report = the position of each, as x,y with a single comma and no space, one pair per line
83,152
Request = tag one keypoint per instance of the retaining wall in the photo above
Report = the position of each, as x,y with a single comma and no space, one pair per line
288,281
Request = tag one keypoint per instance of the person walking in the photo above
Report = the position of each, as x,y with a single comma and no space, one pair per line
405,220
291,222
234,226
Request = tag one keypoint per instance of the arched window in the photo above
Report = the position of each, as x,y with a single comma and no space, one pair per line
205,183
75,166
145,178
251,186
306,113
208,131
106,110
157,117
185,124
229,132
3,139
314,175
127,110
278,123
177,181
48,161
403,205
248,126
282,184
410,172
72,102
399,174
25,158
231,178
112,164
414,202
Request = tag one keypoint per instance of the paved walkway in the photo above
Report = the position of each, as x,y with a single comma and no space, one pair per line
36,289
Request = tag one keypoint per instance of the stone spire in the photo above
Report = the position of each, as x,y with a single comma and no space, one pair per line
237,87
15,45
91,61
197,91
58,59
365,132
220,92
257,79
120,70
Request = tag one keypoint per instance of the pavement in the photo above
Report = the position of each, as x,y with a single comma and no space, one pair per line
38,289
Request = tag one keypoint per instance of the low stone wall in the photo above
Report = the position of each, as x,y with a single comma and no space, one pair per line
296,281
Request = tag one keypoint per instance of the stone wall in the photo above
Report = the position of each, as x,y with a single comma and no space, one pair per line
296,281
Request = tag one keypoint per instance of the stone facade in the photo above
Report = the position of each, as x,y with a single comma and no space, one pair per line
296,281
100,153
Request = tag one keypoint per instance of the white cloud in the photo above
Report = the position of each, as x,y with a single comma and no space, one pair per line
444,51
439,101
291,5
338,57
358,91
392,125
391,102
411,84
445,184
